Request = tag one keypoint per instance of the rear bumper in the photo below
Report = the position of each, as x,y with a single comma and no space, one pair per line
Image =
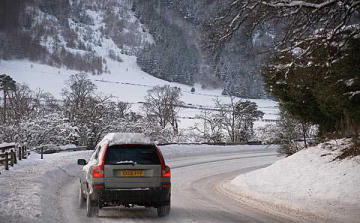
142,196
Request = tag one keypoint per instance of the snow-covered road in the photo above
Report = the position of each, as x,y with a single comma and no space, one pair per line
195,196
194,193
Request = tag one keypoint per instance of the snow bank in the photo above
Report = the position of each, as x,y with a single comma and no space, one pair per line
6,144
308,185
30,186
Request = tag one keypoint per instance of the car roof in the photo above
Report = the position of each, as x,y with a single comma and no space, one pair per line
125,138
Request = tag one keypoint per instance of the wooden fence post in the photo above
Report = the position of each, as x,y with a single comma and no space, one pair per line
23,152
12,154
6,161
26,152
20,153
42,152
15,160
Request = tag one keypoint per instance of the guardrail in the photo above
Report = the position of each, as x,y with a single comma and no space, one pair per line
43,150
215,143
10,154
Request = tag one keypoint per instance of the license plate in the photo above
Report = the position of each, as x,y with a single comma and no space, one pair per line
131,173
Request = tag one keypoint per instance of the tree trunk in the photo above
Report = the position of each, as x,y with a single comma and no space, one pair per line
304,134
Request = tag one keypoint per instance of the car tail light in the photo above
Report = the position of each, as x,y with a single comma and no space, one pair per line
166,185
98,170
166,172
99,186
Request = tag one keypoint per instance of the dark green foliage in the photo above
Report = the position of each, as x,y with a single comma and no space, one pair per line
323,90
247,112
59,9
7,84
173,57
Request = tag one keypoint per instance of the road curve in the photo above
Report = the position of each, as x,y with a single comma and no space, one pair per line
194,194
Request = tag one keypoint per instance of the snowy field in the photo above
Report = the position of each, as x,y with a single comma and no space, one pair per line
308,185
125,83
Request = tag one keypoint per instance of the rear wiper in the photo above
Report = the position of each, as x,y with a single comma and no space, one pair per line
126,163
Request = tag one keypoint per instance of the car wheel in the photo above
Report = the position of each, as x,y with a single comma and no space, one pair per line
81,199
91,209
163,211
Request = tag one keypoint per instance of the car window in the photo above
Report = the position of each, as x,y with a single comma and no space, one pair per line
95,154
140,154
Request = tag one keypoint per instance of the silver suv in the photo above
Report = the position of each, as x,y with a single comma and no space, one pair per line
125,169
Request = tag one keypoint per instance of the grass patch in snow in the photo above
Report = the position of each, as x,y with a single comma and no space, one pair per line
349,152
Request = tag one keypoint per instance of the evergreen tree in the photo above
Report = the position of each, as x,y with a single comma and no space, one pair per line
7,84
321,90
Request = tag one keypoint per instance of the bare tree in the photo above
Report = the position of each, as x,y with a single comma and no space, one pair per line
234,119
93,114
77,94
23,103
212,127
238,118
162,105
123,108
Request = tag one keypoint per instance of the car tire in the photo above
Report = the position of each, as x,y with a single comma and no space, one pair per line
82,200
163,211
91,209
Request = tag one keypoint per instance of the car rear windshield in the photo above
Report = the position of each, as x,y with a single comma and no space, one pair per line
139,154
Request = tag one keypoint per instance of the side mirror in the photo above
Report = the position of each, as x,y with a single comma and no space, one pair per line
82,162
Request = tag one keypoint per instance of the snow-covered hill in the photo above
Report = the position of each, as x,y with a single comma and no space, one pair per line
108,33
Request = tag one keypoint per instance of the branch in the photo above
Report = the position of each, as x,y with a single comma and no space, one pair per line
303,4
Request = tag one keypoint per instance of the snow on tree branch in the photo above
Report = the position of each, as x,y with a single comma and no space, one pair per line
301,4
295,23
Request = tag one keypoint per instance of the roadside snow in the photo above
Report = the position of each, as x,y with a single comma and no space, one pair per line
7,144
29,185
308,185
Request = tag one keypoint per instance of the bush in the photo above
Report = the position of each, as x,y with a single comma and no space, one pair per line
289,149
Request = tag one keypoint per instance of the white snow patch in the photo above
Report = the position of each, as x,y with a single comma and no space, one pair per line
7,144
353,93
350,82
297,51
